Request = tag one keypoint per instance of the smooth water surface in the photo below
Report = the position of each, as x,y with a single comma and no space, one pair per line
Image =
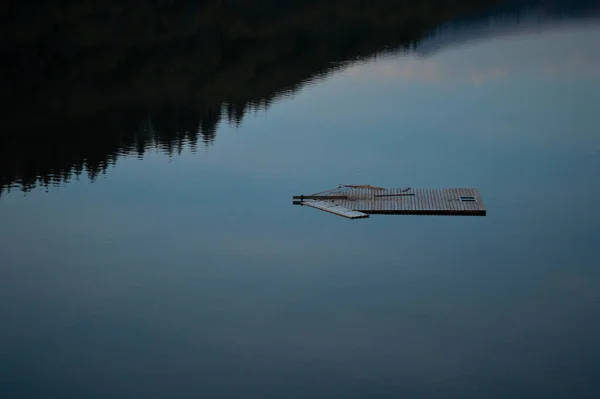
186,272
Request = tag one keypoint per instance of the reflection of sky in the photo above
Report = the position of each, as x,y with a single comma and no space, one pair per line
196,277
567,51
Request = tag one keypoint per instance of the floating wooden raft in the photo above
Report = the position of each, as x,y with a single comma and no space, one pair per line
360,201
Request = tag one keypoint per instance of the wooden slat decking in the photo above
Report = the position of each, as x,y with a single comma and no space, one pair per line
396,201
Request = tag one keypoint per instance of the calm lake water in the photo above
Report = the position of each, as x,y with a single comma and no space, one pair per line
184,271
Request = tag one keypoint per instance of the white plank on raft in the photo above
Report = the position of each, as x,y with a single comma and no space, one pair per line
335,209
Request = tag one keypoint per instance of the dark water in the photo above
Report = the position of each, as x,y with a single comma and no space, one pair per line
149,247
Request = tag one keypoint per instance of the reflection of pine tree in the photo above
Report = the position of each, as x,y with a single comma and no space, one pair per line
192,138
235,113
209,123
82,94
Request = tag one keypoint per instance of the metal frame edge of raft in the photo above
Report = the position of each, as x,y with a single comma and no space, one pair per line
358,201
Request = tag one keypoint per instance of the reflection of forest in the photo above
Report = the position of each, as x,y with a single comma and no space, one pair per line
88,81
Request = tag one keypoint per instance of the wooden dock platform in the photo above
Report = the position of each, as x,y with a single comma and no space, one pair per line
360,201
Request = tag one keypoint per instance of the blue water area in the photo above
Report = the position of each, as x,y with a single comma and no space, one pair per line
184,271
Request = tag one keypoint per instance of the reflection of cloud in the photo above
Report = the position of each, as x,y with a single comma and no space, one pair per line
578,65
567,52
409,69
479,77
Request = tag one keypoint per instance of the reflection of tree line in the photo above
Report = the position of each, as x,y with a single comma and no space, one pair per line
89,82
